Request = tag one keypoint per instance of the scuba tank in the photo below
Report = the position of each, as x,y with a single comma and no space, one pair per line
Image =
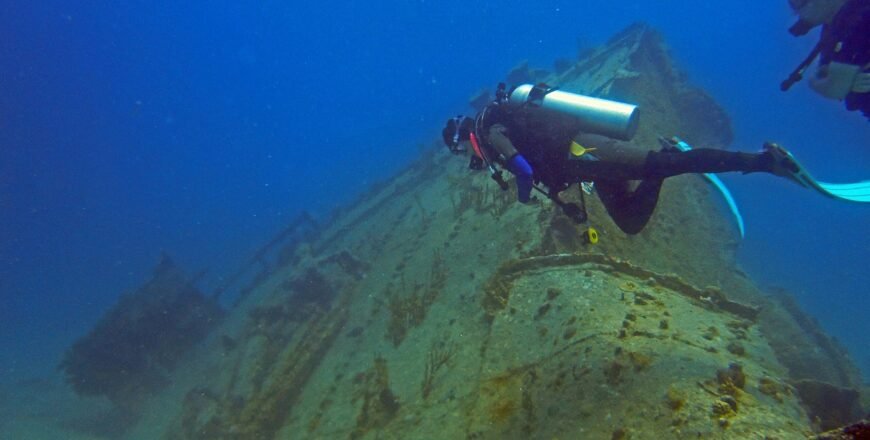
600,116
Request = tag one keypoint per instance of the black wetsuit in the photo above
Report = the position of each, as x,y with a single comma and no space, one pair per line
847,40
613,164
544,139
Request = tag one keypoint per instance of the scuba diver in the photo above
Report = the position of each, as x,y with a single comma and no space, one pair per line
558,139
843,71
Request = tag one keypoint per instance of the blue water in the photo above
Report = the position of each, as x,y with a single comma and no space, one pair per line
200,129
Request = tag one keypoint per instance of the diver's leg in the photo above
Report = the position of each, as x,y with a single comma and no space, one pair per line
606,159
618,160
705,160
630,210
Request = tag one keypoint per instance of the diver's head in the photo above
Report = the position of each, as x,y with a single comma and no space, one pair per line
812,13
457,133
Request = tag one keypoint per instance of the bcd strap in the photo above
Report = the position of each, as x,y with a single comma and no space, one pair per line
477,150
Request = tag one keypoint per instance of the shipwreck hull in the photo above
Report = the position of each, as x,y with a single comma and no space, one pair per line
437,307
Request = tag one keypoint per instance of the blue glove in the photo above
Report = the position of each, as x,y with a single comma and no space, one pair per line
520,168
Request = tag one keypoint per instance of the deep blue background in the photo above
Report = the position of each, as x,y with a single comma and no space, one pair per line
202,128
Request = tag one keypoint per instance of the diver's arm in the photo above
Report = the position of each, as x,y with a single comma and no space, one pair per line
514,161
499,140
521,169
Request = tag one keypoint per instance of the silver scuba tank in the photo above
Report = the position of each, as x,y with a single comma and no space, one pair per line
600,116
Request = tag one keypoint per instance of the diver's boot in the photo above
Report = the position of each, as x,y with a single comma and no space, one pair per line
784,164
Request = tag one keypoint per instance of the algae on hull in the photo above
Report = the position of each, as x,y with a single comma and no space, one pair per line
611,367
